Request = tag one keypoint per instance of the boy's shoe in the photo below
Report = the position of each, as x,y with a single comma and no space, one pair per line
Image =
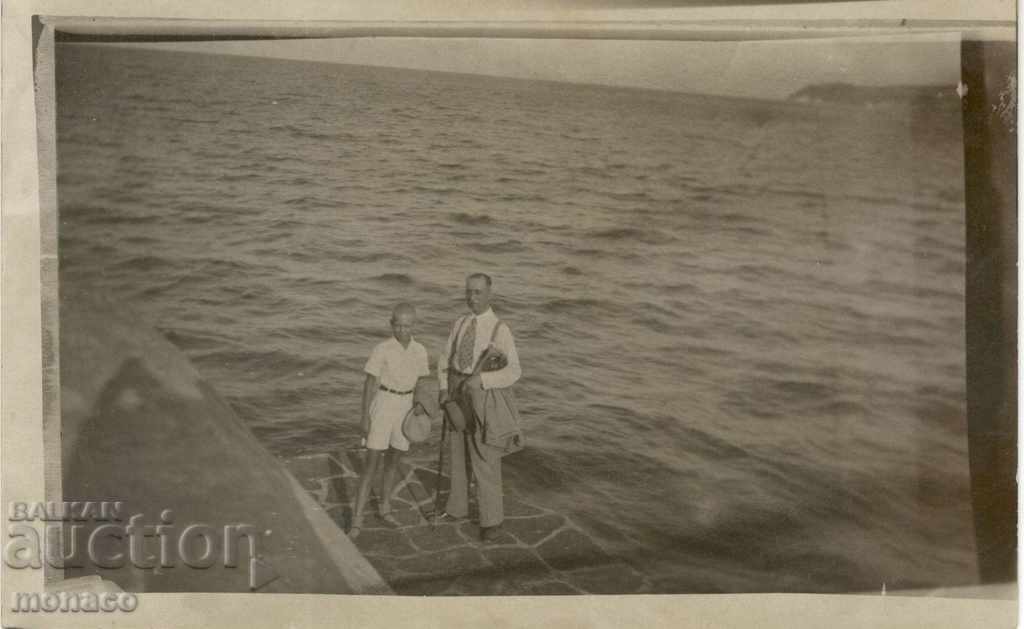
387,518
447,517
355,527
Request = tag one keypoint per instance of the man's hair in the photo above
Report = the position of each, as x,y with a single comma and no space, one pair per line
402,308
477,276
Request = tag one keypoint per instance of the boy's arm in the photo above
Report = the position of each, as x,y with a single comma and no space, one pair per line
369,390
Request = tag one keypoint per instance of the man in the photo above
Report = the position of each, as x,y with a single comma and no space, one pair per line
469,338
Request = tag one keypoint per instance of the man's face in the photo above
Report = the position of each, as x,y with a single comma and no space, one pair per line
478,295
402,326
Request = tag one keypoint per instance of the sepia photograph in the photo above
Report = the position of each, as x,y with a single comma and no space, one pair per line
472,316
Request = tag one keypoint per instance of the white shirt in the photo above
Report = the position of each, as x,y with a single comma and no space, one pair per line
398,367
504,342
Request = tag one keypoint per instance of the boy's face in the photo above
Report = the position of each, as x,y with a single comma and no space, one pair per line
402,325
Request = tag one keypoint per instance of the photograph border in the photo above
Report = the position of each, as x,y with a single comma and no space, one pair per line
30,342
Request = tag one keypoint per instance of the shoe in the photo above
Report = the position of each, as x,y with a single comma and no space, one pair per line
355,528
389,519
447,517
490,534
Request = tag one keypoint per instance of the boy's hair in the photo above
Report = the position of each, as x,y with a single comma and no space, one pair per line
402,308
485,277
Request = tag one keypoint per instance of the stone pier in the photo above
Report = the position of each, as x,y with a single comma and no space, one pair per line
539,552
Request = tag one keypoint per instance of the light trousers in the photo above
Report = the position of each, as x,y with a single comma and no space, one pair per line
484,462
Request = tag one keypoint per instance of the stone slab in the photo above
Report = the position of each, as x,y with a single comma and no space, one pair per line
515,508
388,542
532,530
430,539
471,531
516,561
613,578
570,549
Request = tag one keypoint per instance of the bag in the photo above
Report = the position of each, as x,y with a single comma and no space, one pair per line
453,412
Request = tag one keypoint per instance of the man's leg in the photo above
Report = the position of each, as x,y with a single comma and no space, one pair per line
486,462
458,495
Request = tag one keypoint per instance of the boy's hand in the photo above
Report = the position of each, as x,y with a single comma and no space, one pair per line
475,382
442,397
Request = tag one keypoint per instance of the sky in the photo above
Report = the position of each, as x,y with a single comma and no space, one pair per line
769,69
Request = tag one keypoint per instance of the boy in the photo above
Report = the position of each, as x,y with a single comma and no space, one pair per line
392,371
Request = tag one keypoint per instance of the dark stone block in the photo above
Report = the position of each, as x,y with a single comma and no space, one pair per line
433,539
309,468
615,578
428,480
406,516
415,493
515,508
571,549
341,490
532,530
452,562
342,464
389,542
471,531
517,561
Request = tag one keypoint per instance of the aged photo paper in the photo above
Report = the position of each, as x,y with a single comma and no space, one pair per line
576,313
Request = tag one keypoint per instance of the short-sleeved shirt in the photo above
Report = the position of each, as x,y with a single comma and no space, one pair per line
398,367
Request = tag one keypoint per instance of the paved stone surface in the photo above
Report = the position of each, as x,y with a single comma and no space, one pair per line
539,552
428,538
609,579
386,542
570,549
532,530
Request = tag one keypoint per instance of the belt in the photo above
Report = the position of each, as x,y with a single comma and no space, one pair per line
384,388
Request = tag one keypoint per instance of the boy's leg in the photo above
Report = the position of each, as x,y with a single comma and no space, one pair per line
390,477
369,471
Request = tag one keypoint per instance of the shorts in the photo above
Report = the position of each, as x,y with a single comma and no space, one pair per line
387,411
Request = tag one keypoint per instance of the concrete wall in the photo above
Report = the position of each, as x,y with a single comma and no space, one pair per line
140,425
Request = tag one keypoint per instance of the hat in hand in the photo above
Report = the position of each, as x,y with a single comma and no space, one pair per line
416,425
426,396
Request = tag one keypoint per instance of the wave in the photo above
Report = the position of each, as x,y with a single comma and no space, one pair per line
507,246
464,218
627,234
394,278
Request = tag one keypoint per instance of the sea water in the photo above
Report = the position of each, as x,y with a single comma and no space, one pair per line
741,322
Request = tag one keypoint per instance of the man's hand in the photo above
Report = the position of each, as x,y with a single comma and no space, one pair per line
442,397
474,382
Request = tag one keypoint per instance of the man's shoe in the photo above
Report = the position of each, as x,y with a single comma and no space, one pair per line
490,534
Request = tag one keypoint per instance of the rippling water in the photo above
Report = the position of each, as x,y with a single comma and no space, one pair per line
740,322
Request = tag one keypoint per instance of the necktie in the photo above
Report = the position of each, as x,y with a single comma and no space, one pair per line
465,357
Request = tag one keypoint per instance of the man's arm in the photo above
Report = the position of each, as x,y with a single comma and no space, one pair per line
507,376
369,390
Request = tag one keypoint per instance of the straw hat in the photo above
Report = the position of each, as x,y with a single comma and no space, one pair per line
419,420
416,425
